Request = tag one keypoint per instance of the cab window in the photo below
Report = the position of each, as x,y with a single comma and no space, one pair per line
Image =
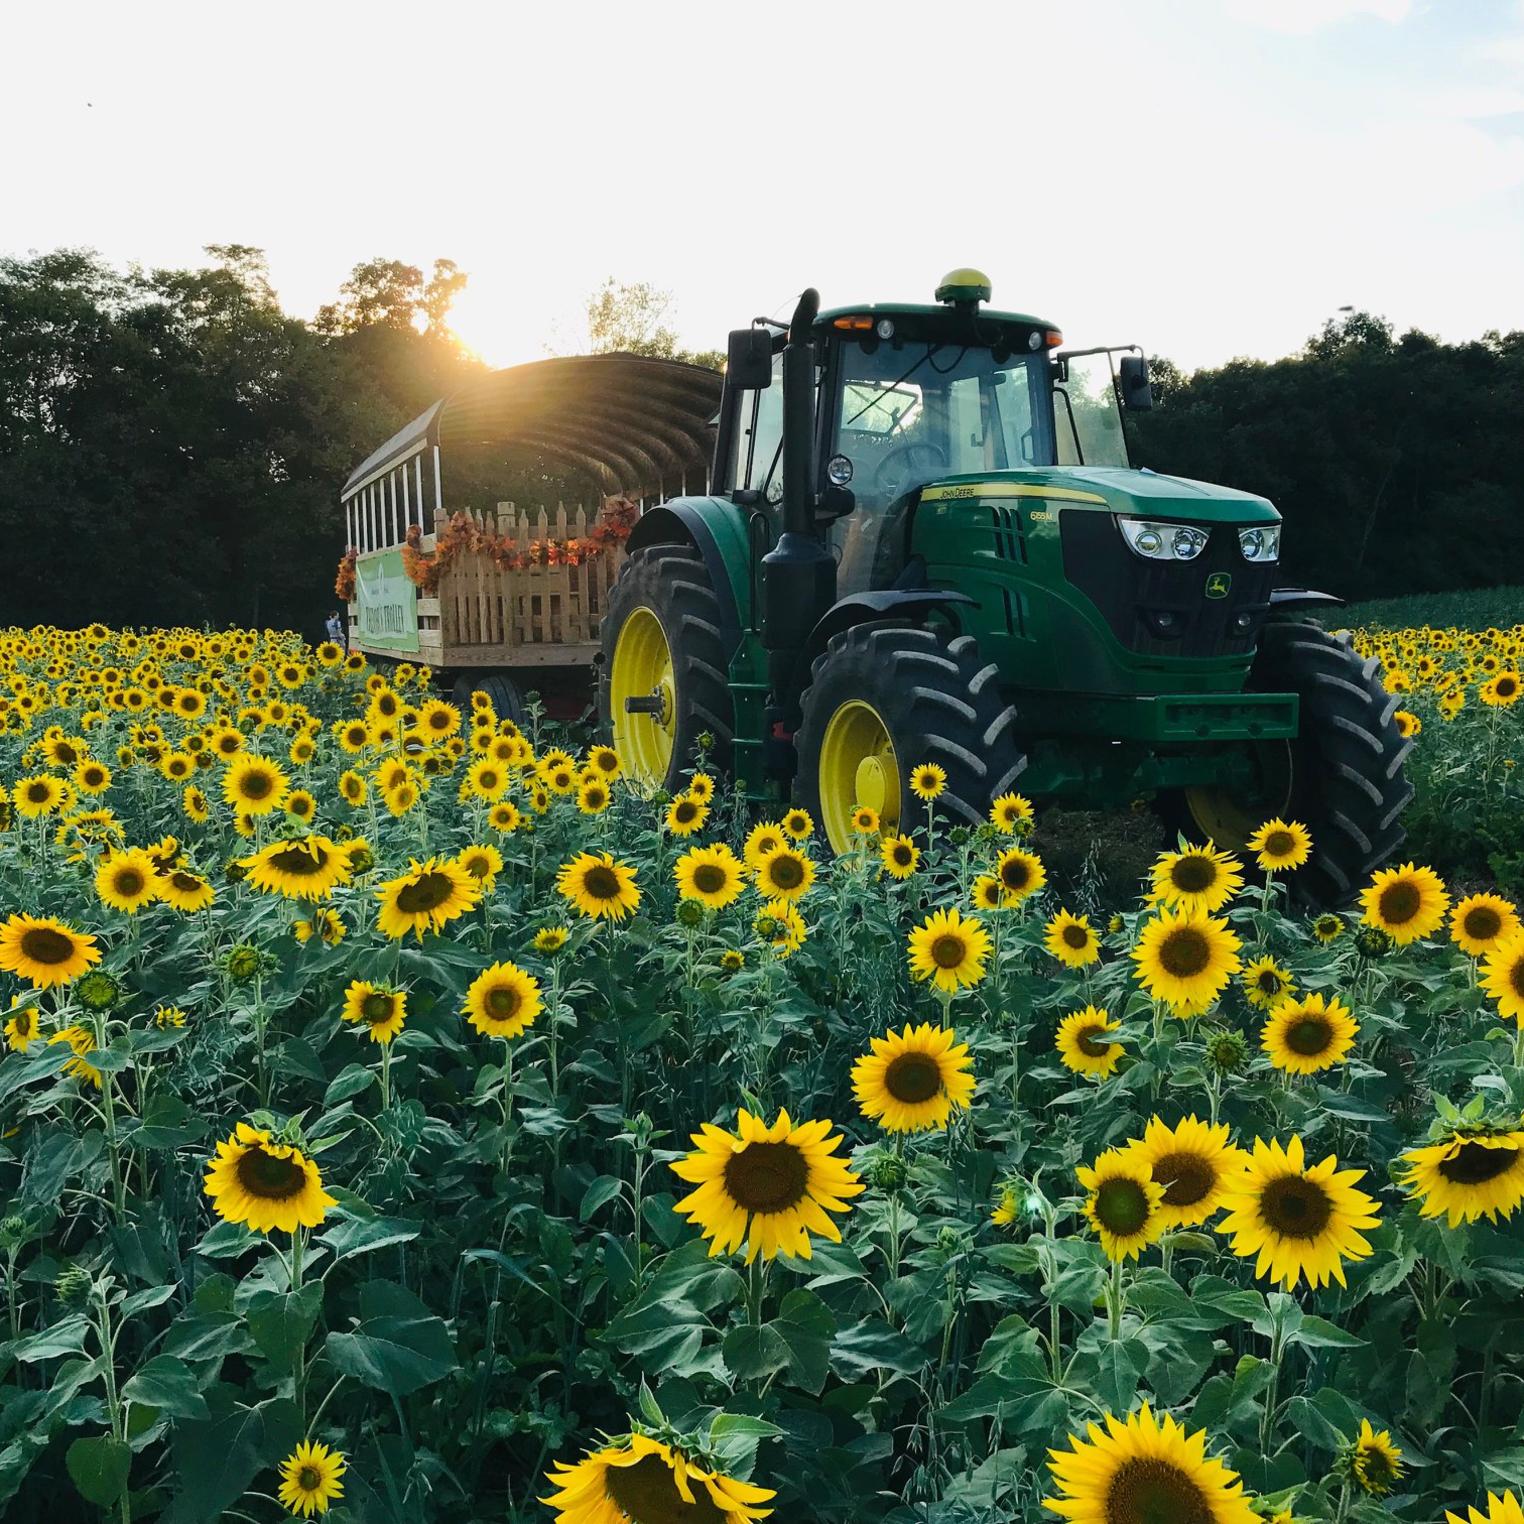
758,462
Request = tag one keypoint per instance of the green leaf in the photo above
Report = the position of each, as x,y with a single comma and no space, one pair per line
99,1468
734,1437
350,1082
602,1191
280,1323
1119,1363
140,1301
207,1336
1319,1333
227,1240
797,1340
364,1235
167,1384
215,1461
399,1346
66,1338
872,1345
664,1335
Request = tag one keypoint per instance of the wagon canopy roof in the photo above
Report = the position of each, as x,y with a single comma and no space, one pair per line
636,423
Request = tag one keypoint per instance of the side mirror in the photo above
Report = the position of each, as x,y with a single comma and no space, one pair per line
1132,374
835,502
749,359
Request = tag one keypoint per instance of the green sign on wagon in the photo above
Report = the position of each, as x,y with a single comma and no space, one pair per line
388,603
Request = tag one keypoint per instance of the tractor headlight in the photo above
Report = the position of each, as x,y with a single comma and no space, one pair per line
1262,543
1163,542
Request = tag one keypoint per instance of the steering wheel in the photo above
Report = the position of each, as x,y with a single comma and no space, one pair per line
907,465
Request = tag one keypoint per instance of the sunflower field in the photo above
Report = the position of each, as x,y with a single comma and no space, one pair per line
407,1119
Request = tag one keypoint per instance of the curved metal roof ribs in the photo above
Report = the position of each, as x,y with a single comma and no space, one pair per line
636,423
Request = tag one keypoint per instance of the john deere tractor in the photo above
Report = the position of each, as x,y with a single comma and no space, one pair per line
925,543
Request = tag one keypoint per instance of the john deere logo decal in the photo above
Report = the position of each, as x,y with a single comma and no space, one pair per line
1218,584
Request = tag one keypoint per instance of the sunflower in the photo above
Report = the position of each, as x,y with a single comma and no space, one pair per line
641,1480
504,817
92,777
912,1080
302,868
549,940
185,890
1197,880
45,952
127,881
193,802
1299,1220
714,876
309,1478
483,863
166,1017
604,761
1407,903
1500,1510
986,894
927,780
1408,724
785,874
253,785
798,823
1072,940
1468,1175
39,795
401,799
1281,845
1185,960
781,926
1123,1202
1328,927
1264,982
763,839
1480,922
22,1028
503,1001
899,855
1308,1035
769,1187
1195,1163
1007,1207
1081,1043
949,949
425,897
381,1010
1501,691
1503,976
82,1041
1010,813
326,925
599,885
685,815
255,1180
1141,1471
593,796
1375,1462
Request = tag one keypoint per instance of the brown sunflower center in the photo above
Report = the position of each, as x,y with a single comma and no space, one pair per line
1482,923
477,867
913,1078
1279,844
502,1002
186,883
1295,1207
902,855
256,785
128,882
1193,875
1399,902
1505,687
42,944
426,892
948,951
1015,874
645,1493
1148,1491
269,1177
1475,1164
39,793
1076,936
600,883
1516,975
786,871
309,1479
376,1007
767,1177
1121,1206
301,861
1185,952
1269,981
1091,1041
93,776
1187,1178
709,878
1309,1036
685,810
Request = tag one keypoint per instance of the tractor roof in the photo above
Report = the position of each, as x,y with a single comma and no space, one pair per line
932,311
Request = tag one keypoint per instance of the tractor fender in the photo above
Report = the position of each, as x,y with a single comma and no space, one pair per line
1284,599
717,530
913,603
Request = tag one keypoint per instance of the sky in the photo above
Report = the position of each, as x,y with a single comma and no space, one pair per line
1208,178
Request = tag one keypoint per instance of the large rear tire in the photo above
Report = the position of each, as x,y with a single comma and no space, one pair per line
663,650
884,698
1342,776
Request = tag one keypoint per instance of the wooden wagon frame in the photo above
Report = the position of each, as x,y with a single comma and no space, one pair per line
517,586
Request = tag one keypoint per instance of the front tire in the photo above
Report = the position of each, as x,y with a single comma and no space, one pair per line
663,650
1342,776
884,698
507,699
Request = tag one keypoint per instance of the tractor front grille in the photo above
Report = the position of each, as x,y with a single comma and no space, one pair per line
1162,608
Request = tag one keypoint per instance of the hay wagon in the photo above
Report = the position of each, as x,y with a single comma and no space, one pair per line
482,538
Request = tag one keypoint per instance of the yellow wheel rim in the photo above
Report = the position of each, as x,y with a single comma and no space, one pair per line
642,671
1228,821
857,766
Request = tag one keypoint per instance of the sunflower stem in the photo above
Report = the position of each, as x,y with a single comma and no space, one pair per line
1115,1300
1272,1392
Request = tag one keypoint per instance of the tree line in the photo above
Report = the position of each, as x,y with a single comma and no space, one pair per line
172,443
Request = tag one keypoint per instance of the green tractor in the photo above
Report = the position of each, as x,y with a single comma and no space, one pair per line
925,543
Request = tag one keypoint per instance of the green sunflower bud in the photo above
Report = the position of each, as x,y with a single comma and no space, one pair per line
73,1285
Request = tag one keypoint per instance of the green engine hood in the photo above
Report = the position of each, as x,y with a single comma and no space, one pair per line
1142,493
